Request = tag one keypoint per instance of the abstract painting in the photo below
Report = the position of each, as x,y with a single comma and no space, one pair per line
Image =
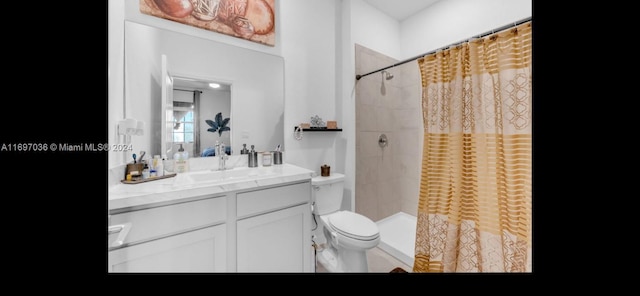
252,20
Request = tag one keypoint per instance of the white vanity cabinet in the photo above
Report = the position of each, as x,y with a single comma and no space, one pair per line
259,220
188,236
274,229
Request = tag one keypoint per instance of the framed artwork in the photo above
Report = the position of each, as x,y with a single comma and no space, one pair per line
252,20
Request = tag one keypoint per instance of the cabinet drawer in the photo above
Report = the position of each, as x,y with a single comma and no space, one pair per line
163,220
265,200
203,250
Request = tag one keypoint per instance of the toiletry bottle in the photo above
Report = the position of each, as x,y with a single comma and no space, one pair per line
185,158
253,158
145,172
244,149
166,165
180,159
158,165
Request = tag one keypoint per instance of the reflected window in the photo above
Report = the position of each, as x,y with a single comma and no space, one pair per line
183,130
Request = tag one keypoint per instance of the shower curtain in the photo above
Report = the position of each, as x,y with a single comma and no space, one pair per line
474,212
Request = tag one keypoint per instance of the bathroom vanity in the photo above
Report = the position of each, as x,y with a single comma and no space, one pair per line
237,220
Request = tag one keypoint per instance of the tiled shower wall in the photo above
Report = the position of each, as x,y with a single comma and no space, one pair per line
387,179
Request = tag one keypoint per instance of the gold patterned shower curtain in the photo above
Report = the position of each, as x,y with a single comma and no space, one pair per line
474,212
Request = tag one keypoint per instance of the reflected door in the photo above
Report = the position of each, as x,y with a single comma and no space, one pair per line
167,107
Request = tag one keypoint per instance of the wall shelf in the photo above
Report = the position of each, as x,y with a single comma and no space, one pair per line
319,129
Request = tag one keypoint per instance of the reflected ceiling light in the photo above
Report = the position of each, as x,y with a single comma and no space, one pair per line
214,85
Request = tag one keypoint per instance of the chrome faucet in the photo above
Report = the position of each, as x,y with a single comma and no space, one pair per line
222,161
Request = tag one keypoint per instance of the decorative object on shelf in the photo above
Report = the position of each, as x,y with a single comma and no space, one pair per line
332,124
316,122
220,125
305,125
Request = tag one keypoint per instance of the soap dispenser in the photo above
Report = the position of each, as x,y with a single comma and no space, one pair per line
181,160
244,149
253,158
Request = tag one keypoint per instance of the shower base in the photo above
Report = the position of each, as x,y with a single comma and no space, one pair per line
398,236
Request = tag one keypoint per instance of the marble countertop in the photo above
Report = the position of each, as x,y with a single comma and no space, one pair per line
186,185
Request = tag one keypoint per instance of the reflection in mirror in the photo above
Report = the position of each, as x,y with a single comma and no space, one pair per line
196,123
153,56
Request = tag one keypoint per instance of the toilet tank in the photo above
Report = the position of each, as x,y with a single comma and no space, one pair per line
327,193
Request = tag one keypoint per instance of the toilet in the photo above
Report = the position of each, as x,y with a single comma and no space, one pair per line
348,234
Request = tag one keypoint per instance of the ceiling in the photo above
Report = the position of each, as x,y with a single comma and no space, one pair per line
400,9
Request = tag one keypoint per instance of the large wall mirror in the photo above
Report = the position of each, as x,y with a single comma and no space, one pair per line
167,74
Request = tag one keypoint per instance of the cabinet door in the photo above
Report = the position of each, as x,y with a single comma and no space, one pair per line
275,242
203,250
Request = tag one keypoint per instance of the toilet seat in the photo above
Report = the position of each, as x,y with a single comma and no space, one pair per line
353,225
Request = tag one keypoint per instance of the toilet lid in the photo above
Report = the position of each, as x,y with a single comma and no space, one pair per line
354,225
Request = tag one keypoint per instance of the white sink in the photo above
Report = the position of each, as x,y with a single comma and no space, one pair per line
229,175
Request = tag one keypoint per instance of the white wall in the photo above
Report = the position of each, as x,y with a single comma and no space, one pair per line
373,29
309,49
449,21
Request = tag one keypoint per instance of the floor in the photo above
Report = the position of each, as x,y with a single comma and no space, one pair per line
378,261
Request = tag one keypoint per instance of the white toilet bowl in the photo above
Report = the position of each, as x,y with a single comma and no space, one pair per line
348,234
347,246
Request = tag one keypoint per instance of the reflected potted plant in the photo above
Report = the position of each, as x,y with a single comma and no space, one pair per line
219,125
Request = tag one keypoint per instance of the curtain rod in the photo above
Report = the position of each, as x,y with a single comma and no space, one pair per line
187,90
452,44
